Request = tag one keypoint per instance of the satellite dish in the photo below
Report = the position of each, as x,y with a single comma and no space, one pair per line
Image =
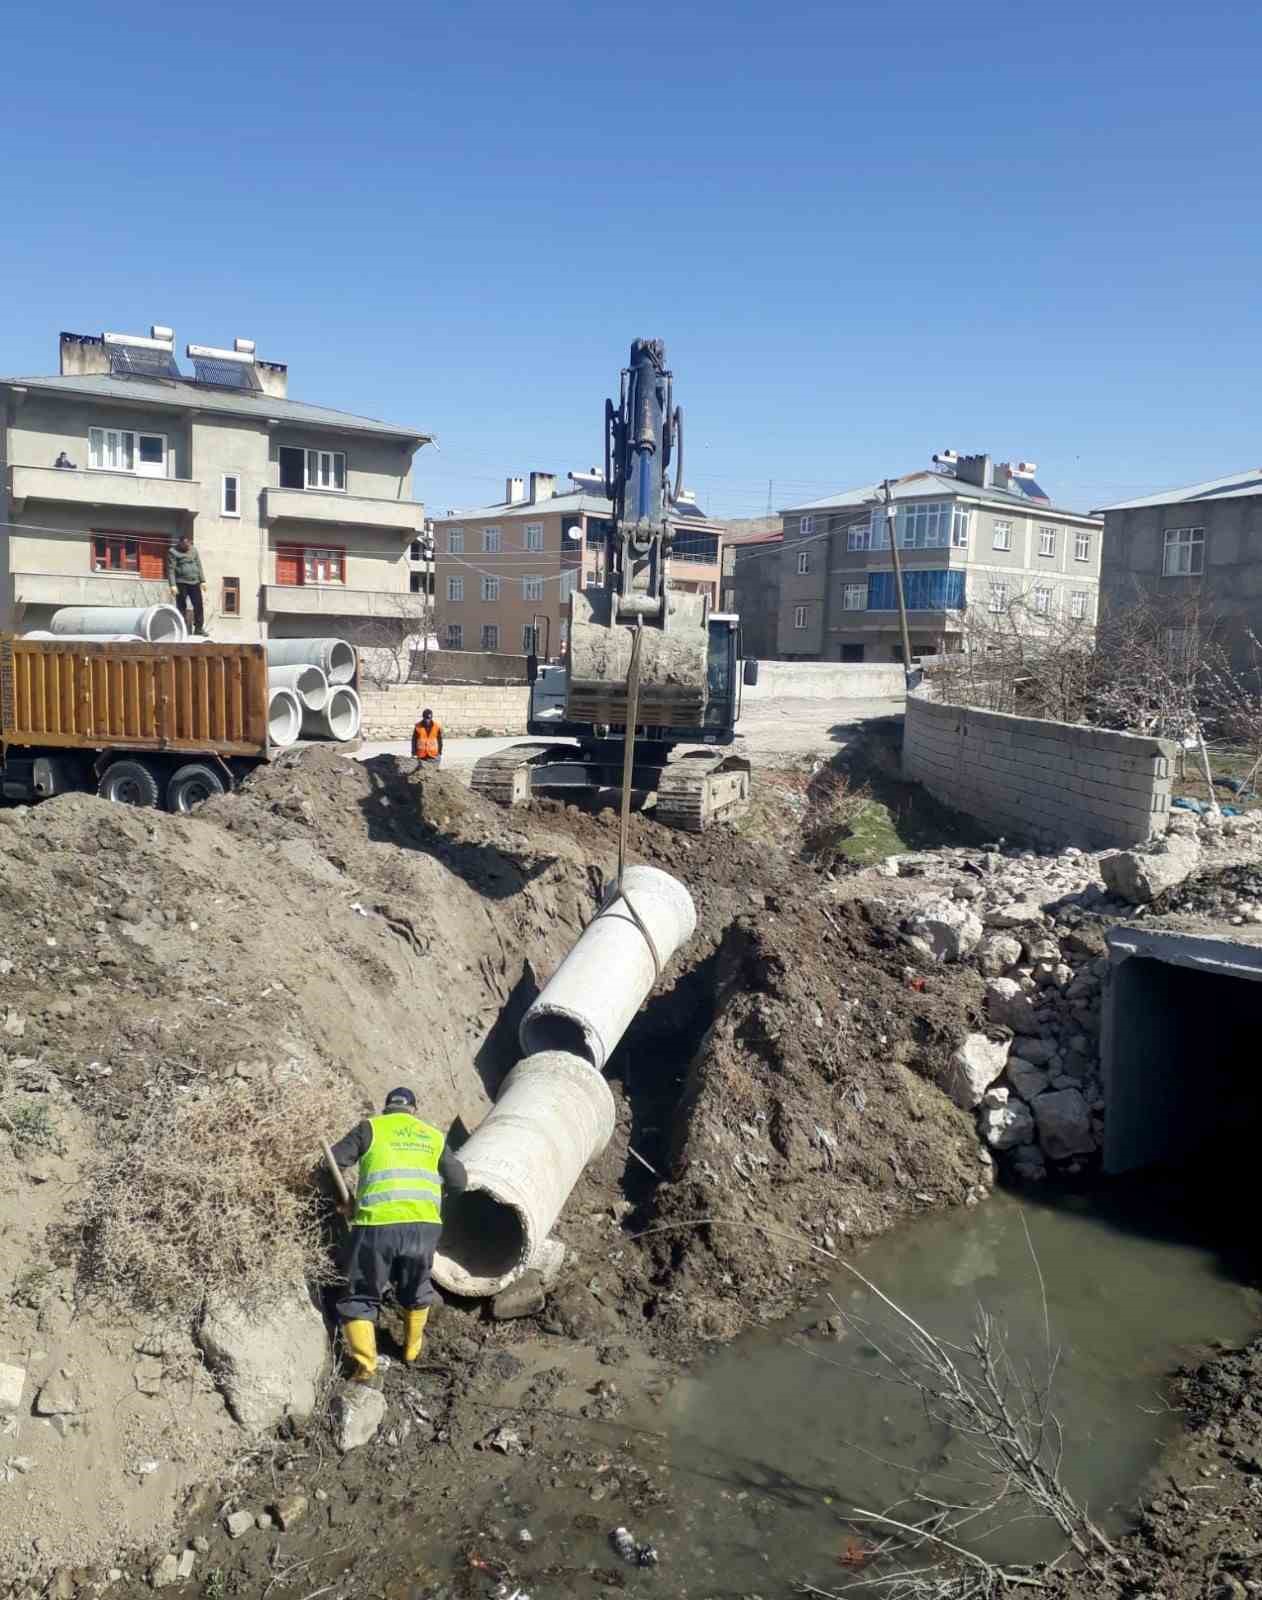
574,533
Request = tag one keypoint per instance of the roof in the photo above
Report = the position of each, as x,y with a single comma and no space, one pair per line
1236,486
916,485
182,395
746,536
592,505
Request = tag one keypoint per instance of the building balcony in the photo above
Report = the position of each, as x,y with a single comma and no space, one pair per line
338,600
86,589
87,487
327,507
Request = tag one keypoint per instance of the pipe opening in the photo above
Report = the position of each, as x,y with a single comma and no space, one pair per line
484,1237
284,717
341,662
165,625
341,711
553,1030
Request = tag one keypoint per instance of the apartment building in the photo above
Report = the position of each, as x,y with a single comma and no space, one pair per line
504,573
303,515
972,534
751,581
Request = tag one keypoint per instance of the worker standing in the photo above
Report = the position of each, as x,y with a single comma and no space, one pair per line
186,577
427,738
403,1165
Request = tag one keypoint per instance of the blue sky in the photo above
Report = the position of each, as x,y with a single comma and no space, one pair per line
865,232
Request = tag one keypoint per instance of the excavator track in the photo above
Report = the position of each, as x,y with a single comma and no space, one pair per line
702,788
505,776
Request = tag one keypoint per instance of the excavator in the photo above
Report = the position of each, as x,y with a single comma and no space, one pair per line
639,651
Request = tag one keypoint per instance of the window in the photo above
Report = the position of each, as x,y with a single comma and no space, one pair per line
925,589
854,597
492,542
230,604
534,536
230,500
959,527
326,469
999,597
416,550
1078,604
1001,536
689,545
927,526
455,541
532,588
455,636
1082,546
323,566
455,588
851,652
421,582
1047,541
569,582
490,636
123,450
123,552
529,639
1042,602
490,591
807,526
799,616
729,599
804,562
1184,553
857,537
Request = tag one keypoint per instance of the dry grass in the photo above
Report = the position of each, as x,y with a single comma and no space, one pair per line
835,806
211,1192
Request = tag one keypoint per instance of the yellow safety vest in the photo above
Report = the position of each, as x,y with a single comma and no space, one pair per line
398,1173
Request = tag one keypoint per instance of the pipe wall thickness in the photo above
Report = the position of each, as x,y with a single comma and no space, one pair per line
160,624
308,683
553,1115
284,717
335,658
588,1003
338,718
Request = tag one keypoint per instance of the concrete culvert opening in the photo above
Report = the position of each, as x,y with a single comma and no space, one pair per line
553,1030
484,1241
284,717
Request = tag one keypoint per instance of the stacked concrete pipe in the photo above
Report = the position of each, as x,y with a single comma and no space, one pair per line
337,718
86,638
334,657
555,1111
161,624
284,717
308,683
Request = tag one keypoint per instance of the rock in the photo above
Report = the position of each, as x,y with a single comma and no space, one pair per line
1038,1052
1141,875
188,1560
358,1412
973,1068
1064,1124
997,1096
1028,1164
522,1298
14,1025
548,1261
1003,1127
996,953
505,1440
201,1544
59,1397
1017,914
1026,1080
1010,1006
289,1510
238,1523
950,930
269,1360
12,1382
164,1573
263,1521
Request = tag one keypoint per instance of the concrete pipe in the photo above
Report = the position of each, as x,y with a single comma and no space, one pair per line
90,638
158,624
284,717
335,658
588,1003
339,718
553,1115
308,683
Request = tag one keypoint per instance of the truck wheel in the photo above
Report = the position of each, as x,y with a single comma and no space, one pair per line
190,785
131,783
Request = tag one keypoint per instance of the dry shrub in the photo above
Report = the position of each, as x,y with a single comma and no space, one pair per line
835,806
211,1190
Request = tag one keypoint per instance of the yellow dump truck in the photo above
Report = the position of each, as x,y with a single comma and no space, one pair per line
146,724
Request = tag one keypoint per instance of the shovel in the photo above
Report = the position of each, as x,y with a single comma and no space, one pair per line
344,1194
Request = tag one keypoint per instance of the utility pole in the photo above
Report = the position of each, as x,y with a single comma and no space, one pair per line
891,513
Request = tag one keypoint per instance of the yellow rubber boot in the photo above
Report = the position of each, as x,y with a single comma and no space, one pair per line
361,1346
414,1333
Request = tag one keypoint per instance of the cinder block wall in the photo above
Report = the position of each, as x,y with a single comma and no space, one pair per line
1055,783
461,708
826,680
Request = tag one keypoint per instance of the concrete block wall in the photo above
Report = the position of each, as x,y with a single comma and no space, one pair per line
461,708
1055,783
825,680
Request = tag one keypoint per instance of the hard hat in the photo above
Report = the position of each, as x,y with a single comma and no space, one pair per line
401,1097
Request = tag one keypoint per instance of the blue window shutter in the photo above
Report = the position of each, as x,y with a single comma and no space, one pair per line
924,591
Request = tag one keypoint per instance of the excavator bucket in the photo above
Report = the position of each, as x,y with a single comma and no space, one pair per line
672,691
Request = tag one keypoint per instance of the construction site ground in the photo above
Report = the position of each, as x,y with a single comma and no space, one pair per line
351,924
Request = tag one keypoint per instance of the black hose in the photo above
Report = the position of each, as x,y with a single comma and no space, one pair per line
679,452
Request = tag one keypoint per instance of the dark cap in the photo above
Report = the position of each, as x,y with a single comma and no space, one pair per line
401,1097
427,712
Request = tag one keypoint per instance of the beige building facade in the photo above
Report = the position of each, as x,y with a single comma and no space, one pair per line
304,516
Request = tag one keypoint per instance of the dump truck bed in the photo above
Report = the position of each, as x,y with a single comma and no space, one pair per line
77,695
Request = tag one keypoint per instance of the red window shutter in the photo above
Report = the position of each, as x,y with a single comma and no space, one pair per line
153,559
289,566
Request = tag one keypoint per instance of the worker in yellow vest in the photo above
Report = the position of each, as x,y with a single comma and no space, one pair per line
404,1165
427,738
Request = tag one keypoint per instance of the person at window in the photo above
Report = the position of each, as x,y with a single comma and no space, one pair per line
65,463
185,575
427,738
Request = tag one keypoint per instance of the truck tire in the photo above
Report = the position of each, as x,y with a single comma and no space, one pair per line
192,784
131,783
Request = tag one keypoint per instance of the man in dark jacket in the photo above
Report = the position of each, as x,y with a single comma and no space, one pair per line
185,575
403,1166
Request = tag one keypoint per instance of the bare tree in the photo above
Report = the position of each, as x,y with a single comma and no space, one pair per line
389,642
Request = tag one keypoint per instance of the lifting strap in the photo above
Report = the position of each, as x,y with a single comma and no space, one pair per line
628,771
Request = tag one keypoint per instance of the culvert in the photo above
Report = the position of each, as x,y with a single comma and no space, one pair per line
334,657
160,624
307,682
338,718
1179,1047
284,717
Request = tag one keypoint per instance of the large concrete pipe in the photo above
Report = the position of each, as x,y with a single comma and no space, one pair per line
337,719
552,1116
587,1004
308,683
158,624
284,717
87,638
335,658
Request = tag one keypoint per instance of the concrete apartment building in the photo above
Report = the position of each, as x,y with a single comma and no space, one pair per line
751,582
972,535
303,515
1199,547
504,573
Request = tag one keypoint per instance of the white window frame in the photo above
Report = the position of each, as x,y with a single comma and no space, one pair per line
1078,605
455,590
998,598
1187,545
532,536
529,641
804,563
317,558
532,588
857,537
799,616
455,636
960,516
233,478
490,636
807,527
455,541
490,589
854,596
138,468
1043,600
324,462
1047,542
492,541
1082,545
1001,535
